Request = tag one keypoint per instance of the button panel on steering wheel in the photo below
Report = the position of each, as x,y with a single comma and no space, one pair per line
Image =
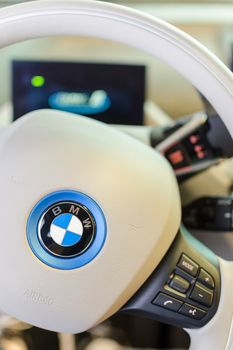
184,279
184,290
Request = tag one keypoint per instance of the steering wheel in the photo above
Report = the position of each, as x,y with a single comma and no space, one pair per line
90,218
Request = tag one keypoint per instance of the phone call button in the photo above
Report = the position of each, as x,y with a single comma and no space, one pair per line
167,302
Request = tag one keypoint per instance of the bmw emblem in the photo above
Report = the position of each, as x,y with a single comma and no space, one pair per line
66,229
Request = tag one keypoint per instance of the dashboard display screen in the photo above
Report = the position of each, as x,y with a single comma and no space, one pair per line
110,93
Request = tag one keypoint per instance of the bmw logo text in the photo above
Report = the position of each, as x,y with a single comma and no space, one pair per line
67,229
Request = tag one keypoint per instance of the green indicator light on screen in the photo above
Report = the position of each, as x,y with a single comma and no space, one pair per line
38,81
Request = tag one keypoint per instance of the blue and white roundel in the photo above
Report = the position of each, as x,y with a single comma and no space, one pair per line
66,230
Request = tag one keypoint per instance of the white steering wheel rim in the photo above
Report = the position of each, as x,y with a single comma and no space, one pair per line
117,23
187,56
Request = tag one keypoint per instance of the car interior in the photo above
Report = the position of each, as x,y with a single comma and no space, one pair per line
147,100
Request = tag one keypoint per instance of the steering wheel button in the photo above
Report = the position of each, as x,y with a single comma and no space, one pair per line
192,311
167,302
188,265
202,295
206,278
179,283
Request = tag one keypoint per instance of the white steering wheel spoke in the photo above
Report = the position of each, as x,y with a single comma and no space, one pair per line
191,289
218,333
